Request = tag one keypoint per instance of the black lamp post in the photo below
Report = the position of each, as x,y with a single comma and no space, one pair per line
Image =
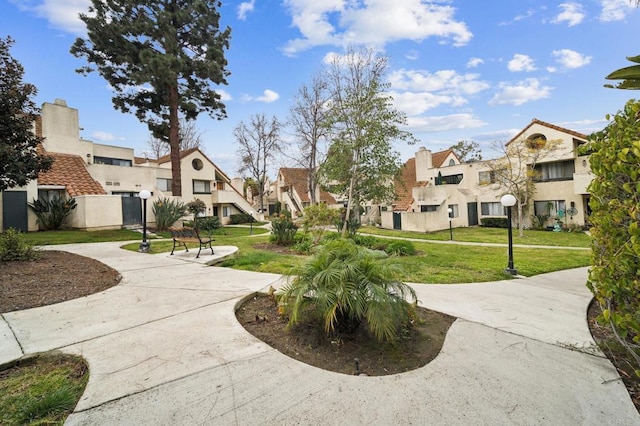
144,245
450,211
251,223
509,201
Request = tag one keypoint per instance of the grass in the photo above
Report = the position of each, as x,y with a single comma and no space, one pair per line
491,235
42,390
43,238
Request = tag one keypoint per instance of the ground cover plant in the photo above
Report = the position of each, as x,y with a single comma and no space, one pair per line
41,390
43,238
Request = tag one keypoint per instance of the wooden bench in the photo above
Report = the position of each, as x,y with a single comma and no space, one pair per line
189,235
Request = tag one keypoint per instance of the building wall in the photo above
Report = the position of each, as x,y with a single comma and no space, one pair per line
96,212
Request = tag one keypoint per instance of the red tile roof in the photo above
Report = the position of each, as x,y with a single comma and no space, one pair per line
437,158
299,179
404,186
71,172
551,126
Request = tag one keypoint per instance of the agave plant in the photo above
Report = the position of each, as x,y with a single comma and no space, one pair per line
52,213
343,285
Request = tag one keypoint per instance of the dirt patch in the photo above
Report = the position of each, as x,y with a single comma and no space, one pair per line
309,344
52,278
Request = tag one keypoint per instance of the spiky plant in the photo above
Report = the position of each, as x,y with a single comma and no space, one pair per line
343,285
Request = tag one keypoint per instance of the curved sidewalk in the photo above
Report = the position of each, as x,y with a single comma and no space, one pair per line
164,348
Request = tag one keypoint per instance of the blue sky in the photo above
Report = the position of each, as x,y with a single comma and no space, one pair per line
460,69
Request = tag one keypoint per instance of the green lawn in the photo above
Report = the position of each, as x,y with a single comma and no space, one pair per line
43,238
491,235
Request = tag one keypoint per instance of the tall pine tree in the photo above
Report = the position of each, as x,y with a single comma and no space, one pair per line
19,159
161,57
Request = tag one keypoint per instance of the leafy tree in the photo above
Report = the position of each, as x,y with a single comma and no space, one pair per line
630,76
308,116
467,151
317,217
258,144
615,205
160,56
190,137
515,171
361,162
344,285
19,159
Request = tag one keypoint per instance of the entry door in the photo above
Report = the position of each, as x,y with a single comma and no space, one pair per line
397,220
472,213
14,210
131,210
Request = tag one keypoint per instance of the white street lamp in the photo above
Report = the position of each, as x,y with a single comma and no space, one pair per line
144,245
450,211
509,201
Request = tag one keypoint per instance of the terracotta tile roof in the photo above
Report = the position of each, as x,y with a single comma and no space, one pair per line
299,178
437,158
70,171
404,186
551,126
167,158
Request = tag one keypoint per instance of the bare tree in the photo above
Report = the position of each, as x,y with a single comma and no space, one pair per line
515,171
190,137
258,144
308,117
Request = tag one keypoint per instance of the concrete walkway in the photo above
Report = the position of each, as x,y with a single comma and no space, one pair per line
164,348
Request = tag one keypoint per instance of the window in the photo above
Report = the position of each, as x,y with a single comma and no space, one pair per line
163,185
492,209
51,194
561,170
220,186
429,208
454,210
452,162
487,177
449,180
536,141
111,161
226,211
201,186
549,208
197,164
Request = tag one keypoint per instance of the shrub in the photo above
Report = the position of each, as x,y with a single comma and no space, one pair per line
615,197
302,244
365,241
167,211
207,223
13,247
52,213
494,222
344,285
241,218
317,217
401,248
353,224
283,230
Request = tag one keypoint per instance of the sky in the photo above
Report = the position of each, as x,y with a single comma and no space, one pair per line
459,69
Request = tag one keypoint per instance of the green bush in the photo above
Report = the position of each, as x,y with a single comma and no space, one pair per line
615,197
167,211
302,244
494,222
366,241
353,224
316,218
401,248
344,286
13,247
239,218
207,223
52,213
283,230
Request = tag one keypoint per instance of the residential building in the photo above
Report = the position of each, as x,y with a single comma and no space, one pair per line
105,180
292,191
435,183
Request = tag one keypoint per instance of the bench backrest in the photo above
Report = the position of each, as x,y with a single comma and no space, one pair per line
185,232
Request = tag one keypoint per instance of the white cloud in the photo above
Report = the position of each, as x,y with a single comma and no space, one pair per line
520,93
446,81
268,96
224,96
105,136
572,13
412,55
244,8
521,63
615,10
518,18
61,14
444,123
340,22
474,62
570,58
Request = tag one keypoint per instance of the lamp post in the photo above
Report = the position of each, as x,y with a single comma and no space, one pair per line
509,201
144,245
450,211
251,223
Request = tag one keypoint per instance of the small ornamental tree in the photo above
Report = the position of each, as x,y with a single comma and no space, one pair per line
615,205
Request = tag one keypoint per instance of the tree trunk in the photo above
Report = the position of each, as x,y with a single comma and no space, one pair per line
174,142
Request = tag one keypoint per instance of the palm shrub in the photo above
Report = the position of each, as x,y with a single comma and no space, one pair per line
52,213
283,230
344,285
401,248
13,247
167,211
